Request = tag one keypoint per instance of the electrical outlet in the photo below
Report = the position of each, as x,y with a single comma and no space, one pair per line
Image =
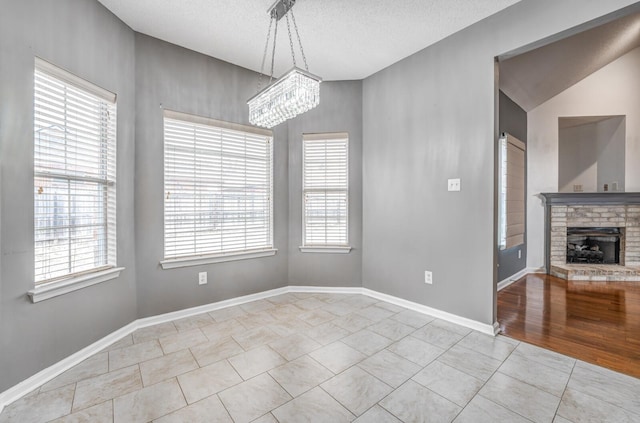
428,277
519,254
454,184
202,278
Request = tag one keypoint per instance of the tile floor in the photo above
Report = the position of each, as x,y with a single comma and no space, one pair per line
327,358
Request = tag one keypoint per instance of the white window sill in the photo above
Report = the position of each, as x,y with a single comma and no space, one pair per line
54,289
326,250
218,258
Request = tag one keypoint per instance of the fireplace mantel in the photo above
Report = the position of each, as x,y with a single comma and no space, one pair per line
580,198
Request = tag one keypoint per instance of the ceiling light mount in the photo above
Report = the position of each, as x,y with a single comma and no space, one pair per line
297,91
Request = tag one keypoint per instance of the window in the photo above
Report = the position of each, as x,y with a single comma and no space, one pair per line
511,210
325,192
74,176
218,191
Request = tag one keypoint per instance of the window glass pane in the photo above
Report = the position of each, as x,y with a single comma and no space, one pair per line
217,189
325,185
74,179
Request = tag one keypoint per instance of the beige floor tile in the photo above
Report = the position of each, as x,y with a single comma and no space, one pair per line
289,327
148,403
166,367
310,303
472,363
416,351
314,406
123,342
154,332
211,352
356,389
579,407
375,313
526,370
337,356
352,322
205,411
367,342
219,331
256,306
182,340
300,375
134,354
256,320
193,322
317,317
437,336
209,380
285,312
105,387
256,337
101,413
492,346
415,403
456,386
253,398
327,333
294,346
413,318
521,398
256,361
377,414
227,313
40,407
481,410
93,366
390,368
391,329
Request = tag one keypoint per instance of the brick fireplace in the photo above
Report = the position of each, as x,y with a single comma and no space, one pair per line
615,212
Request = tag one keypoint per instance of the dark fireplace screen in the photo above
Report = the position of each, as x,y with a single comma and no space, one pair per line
593,245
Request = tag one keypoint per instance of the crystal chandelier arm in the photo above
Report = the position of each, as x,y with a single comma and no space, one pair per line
295,26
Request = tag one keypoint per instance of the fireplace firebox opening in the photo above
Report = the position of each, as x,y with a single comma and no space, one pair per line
594,245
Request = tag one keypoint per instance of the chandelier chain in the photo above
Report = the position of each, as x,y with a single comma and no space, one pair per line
295,26
273,53
264,55
293,52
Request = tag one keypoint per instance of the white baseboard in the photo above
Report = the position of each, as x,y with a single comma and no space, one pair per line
439,314
45,375
513,278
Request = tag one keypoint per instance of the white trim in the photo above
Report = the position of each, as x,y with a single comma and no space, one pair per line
325,250
47,374
76,81
514,278
53,289
443,315
232,126
218,258
327,289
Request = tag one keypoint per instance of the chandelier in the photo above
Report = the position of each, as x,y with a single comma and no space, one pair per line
296,91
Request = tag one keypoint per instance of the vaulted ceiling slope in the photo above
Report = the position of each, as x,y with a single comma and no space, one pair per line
534,77
343,40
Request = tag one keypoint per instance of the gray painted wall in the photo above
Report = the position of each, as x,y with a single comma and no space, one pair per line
340,110
428,118
99,48
178,79
513,120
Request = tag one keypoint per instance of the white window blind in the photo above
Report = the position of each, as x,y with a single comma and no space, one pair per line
218,187
74,175
325,189
511,210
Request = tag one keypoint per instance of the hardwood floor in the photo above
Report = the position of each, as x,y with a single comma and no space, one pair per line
597,322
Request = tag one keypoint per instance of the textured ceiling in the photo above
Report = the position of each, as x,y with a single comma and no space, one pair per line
342,39
532,78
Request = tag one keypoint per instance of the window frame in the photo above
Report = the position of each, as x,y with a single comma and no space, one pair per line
506,239
331,248
69,282
200,258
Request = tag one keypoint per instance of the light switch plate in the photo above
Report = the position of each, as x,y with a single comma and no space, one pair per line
454,184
